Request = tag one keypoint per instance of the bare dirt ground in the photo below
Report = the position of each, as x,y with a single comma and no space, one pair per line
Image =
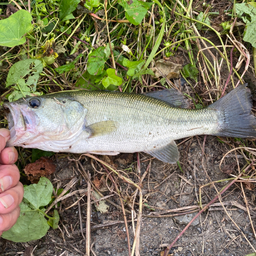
170,199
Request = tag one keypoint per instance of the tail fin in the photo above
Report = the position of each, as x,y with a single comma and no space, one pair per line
236,119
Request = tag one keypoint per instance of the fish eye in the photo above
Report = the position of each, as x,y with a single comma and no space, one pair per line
34,103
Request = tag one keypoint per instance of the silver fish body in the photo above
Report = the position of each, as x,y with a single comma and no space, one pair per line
110,123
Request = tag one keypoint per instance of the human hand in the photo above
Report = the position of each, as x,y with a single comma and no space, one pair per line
11,190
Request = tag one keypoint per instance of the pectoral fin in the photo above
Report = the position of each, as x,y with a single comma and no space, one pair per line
168,153
102,128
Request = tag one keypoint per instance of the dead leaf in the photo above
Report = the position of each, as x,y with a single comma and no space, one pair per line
100,206
43,167
162,254
97,183
124,159
249,185
167,68
10,10
100,184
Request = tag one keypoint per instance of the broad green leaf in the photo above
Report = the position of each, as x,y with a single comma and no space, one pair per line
112,78
133,66
89,4
246,8
38,195
37,153
24,76
97,59
31,225
27,70
67,7
191,71
250,33
13,29
250,20
135,10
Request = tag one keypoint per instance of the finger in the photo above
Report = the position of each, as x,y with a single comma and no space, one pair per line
4,136
8,220
9,177
10,199
8,155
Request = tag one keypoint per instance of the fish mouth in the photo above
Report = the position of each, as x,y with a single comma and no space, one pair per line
19,121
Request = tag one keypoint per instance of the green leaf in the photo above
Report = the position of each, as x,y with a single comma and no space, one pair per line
190,71
24,75
31,225
135,10
67,7
203,18
53,222
37,153
89,4
90,82
143,72
112,78
38,195
69,66
134,66
250,20
246,8
65,68
25,72
13,29
97,59
250,34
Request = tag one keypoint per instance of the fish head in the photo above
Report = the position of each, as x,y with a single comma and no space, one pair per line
35,120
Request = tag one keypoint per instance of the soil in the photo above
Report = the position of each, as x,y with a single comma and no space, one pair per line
224,229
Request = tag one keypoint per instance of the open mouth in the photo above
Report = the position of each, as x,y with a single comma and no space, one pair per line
9,118
17,121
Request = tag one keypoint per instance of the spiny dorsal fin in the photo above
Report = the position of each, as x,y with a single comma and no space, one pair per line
168,153
171,96
102,128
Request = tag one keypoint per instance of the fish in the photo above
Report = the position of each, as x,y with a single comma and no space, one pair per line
109,123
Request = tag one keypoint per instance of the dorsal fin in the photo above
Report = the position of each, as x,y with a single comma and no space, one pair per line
171,96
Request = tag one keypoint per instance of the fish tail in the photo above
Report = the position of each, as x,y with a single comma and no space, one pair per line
236,119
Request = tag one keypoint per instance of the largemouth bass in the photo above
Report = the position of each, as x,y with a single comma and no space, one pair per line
109,122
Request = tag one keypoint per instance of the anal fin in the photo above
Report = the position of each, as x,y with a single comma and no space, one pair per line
168,153
110,153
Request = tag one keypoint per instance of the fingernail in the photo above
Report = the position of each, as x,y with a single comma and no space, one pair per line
6,201
12,157
5,182
5,133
